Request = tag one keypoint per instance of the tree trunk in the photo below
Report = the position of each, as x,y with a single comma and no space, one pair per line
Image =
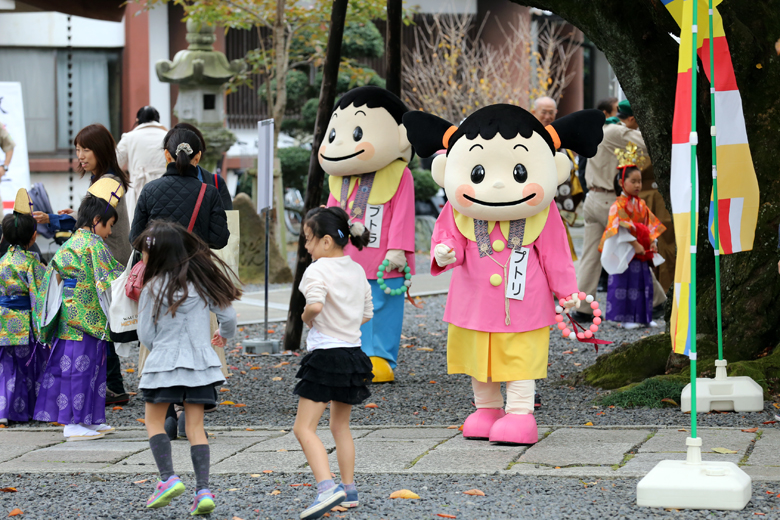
634,36
330,71
282,60
394,45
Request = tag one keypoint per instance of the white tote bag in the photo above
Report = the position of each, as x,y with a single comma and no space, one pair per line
123,312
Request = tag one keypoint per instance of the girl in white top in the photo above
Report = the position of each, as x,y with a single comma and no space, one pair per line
336,370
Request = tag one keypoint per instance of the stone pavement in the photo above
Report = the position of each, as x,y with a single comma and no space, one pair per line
251,307
563,451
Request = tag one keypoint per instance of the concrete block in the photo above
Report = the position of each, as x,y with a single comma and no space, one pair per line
144,461
767,450
468,461
588,446
87,451
290,443
535,470
12,438
384,456
641,464
257,462
765,473
396,434
670,441
19,466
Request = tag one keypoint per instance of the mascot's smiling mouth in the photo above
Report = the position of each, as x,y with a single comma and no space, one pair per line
344,158
499,204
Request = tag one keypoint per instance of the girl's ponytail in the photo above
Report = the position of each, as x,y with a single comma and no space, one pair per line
359,235
183,145
334,222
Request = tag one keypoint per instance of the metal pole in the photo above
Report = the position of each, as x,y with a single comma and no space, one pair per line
267,260
694,201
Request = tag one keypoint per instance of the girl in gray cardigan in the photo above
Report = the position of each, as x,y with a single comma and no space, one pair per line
183,281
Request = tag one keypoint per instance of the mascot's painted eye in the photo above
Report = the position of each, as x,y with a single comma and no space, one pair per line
478,174
332,135
357,135
520,173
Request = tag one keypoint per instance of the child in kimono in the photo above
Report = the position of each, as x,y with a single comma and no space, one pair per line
22,357
503,239
628,247
72,309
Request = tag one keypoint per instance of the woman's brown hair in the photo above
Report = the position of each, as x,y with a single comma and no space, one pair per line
97,138
178,258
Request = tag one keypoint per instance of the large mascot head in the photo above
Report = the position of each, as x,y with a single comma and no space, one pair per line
501,163
365,133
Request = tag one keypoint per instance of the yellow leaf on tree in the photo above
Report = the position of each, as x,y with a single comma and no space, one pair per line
404,493
474,492
724,451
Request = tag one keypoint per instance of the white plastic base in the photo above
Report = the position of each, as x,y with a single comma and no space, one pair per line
724,394
693,484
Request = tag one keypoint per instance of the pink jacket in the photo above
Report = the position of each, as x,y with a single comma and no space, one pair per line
474,303
397,229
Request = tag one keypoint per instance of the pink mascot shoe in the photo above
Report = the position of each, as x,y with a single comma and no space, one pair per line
514,429
478,425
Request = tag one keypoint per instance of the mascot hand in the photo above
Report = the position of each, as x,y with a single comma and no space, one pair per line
397,259
444,255
574,302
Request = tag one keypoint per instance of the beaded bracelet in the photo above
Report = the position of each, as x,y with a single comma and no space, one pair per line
587,333
380,277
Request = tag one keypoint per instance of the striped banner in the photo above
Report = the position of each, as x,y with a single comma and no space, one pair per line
737,184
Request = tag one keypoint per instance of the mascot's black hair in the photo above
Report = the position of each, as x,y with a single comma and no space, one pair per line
580,131
373,97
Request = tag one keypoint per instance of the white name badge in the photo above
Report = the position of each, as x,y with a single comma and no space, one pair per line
374,224
516,274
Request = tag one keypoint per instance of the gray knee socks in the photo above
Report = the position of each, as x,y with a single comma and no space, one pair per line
161,449
201,460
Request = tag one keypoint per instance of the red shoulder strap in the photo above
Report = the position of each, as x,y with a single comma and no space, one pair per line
216,180
197,206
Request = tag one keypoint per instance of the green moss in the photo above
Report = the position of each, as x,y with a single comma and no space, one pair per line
648,393
630,363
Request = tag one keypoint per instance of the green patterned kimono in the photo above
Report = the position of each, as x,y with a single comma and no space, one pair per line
86,258
21,273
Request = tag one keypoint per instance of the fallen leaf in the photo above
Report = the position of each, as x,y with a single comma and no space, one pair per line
776,405
277,379
249,429
759,66
255,475
243,372
601,413
268,471
227,402
142,421
769,422
682,430
276,492
588,423
452,427
557,467
445,515
460,428
568,352
254,368
141,481
8,490
15,512
371,405
408,345
474,492
237,518
750,430
669,401
612,406
239,405
280,365
760,514
282,450
271,331
432,382
339,509
724,451
577,364
130,370
224,389
233,489
404,493
425,349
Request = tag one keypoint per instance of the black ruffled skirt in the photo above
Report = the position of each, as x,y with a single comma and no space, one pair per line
335,374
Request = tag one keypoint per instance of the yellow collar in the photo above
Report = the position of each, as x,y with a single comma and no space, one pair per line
386,182
533,226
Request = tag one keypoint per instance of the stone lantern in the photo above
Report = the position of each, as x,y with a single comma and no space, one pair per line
202,73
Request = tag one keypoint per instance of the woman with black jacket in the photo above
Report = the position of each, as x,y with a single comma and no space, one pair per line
212,179
173,196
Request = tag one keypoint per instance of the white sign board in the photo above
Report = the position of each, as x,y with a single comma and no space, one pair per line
265,164
12,117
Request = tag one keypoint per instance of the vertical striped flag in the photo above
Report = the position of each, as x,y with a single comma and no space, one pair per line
737,184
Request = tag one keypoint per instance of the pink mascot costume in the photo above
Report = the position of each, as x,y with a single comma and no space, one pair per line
501,235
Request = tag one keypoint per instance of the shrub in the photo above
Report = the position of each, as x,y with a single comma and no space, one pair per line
424,185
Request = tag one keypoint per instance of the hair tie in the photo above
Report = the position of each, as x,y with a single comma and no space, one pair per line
356,229
150,242
341,235
184,146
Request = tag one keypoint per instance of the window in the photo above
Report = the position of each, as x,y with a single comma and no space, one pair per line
43,74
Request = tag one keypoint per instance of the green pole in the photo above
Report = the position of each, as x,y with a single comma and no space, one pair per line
694,140
716,221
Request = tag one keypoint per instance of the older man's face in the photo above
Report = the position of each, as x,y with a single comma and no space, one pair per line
545,111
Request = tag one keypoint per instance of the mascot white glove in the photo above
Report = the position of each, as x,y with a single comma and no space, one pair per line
444,255
396,259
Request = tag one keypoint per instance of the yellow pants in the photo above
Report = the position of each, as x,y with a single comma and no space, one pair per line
498,356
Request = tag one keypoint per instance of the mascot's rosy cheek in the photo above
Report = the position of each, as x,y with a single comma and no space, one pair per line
319,155
537,191
464,189
367,149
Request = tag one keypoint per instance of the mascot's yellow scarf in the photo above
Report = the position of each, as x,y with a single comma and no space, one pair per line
533,226
386,182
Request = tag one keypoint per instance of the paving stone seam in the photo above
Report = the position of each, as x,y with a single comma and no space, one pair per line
417,459
634,450
749,451
516,460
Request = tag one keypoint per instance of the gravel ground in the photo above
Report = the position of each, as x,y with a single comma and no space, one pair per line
242,497
423,392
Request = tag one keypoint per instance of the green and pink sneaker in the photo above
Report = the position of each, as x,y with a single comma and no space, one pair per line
203,504
165,492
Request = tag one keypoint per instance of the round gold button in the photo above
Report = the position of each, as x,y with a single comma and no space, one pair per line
495,280
498,246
